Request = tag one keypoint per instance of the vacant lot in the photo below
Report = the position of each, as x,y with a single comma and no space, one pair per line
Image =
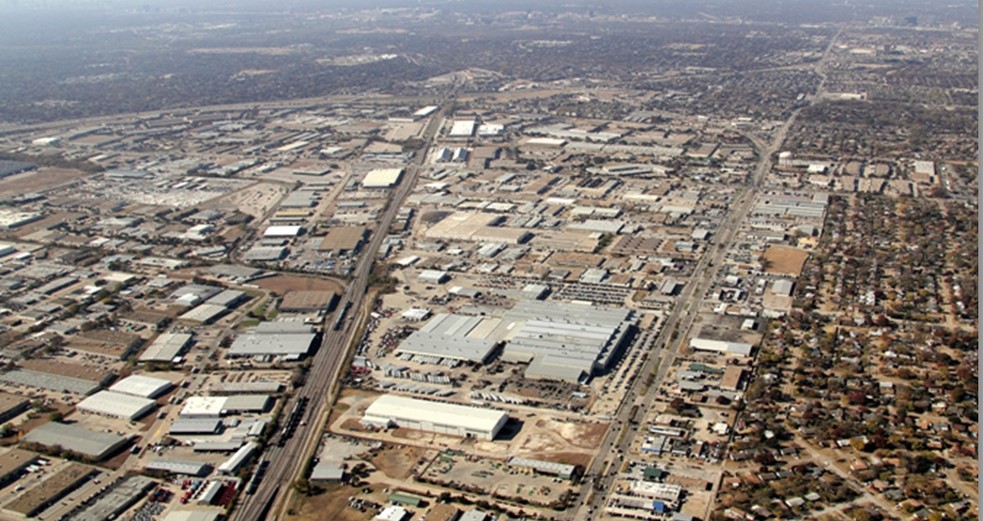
784,260
40,179
281,284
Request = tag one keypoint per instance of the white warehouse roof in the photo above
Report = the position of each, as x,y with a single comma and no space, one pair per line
282,231
382,178
109,403
204,406
435,416
145,386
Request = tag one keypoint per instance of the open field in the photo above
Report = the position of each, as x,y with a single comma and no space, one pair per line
40,179
784,260
283,283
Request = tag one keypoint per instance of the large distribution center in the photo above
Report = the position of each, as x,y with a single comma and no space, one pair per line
442,418
567,342
455,337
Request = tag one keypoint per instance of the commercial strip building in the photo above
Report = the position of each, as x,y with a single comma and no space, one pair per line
442,418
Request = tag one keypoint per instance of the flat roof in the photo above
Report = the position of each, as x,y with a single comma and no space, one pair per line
49,382
140,385
120,405
342,238
192,515
166,347
115,501
195,426
282,231
204,406
391,407
382,177
14,460
51,490
283,344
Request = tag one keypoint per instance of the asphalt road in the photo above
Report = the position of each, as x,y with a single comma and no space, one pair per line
287,461
600,477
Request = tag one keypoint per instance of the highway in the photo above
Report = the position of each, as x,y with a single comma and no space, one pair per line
288,460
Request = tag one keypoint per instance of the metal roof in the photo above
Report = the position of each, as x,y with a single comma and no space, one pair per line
283,344
116,500
390,407
93,444
166,347
195,426
139,385
189,468
120,405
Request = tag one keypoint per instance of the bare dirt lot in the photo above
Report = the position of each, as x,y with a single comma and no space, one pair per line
40,179
281,284
785,260
330,504
397,462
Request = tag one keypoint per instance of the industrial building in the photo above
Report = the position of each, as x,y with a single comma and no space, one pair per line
145,386
118,499
290,340
166,347
13,462
477,227
720,346
455,337
551,468
568,342
343,240
51,490
184,468
90,444
442,418
117,405
382,178
11,405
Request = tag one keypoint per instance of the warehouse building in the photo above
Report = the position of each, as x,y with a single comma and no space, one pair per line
184,468
117,405
442,418
477,227
50,491
13,463
568,342
382,178
195,425
118,499
343,240
12,405
203,407
287,345
720,346
145,386
166,347
455,337
90,444
550,468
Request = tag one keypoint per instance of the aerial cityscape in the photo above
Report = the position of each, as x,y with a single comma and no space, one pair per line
665,260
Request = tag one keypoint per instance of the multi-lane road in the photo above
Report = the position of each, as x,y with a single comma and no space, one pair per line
287,458
605,467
